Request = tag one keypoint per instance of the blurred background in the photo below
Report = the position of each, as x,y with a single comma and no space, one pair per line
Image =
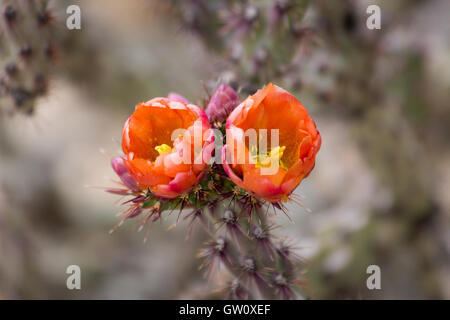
379,193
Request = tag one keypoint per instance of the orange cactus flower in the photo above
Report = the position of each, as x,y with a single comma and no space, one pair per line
167,143
294,156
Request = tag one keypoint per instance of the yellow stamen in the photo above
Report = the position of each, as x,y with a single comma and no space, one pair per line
163,148
265,161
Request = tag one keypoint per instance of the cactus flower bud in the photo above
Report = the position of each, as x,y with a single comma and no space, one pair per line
118,166
222,103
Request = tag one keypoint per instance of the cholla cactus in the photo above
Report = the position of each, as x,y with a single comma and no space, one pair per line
233,202
28,49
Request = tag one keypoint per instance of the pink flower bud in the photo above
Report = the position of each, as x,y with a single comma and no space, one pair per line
223,101
118,166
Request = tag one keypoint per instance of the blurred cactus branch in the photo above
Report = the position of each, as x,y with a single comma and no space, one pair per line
258,38
29,46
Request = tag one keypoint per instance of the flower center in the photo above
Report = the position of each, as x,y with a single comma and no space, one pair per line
266,160
163,148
